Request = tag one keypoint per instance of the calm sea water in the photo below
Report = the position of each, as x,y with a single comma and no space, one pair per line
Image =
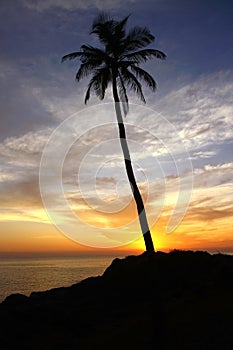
38,274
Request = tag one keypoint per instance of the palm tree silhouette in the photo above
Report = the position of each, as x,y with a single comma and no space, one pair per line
118,63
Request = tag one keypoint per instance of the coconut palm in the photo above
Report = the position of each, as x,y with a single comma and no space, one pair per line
117,63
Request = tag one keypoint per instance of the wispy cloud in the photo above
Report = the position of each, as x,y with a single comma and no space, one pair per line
24,151
201,111
43,5
152,143
203,154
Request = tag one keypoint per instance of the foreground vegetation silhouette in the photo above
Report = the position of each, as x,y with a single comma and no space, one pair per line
179,300
117,63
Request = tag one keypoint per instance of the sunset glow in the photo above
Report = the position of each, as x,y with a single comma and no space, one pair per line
181,141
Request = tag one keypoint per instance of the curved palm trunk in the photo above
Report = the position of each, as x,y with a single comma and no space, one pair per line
130,173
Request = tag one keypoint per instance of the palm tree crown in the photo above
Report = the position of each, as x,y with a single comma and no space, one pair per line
121,56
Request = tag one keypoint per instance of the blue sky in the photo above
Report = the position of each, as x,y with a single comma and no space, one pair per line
193,104
196,35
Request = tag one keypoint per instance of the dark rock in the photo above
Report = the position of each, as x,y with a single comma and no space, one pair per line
180,300
15,299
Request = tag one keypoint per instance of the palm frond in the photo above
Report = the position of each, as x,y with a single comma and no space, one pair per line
125,63
99,83
132,82
105,77
102,18
71,56
87,52
144,76
110,32
144,55
92,50
137,38
104,26
88,92
86,69
120,28
94,53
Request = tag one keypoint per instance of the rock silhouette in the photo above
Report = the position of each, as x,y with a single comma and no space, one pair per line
178,300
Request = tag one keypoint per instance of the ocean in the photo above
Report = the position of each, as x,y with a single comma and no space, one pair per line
26,275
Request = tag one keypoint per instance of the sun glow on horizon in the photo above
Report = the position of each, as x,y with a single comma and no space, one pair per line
193,233
207,224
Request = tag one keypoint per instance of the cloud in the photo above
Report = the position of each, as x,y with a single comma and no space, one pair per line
24,151
201,111
213,175
212,195
21,107
228,166
43,5
197,116
19,180
209,214
21,191
203,154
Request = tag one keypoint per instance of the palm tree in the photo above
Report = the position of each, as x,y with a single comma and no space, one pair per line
117,63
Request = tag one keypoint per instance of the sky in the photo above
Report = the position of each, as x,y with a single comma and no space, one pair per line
63,186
